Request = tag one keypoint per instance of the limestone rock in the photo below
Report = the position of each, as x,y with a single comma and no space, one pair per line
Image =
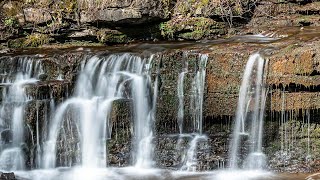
84,33
121,11
111,15
36,15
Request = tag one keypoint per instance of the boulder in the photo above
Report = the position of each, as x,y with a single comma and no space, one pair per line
7,176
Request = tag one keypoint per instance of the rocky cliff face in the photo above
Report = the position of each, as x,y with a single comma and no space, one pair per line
292,125
291,138
33,23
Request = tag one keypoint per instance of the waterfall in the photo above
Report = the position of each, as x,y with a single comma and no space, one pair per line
250,115
197,94
13,104
144,117
180,92
196,106
102,81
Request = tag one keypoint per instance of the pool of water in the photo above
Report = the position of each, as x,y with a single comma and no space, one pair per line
132,173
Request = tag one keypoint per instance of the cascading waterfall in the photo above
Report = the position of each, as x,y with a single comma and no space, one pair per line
250,115
196,105
12,113
102,81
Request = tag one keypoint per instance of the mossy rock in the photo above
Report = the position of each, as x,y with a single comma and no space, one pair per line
32,40
16,43
36,40
190,28
111,36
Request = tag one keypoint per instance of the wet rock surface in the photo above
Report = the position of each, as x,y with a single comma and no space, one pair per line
7,176
293,97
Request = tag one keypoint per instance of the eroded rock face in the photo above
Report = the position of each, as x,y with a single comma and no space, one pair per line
293,98
132,12
37,16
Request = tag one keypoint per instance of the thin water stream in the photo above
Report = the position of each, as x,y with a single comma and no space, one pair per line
252,95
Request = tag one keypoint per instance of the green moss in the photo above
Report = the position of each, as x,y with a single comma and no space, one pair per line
68,5
167,30
36,39
203,3
11,22
73,44
110,36
16,43
192,28
183,9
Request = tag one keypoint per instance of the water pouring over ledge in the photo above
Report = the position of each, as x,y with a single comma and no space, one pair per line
102,81
82,172
248,128
14,100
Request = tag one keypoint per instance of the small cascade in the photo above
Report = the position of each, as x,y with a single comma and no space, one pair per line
180,90
197,90
308,157
102,81
283,124
45,111
13,104
191,157
250,116
196,105
145,107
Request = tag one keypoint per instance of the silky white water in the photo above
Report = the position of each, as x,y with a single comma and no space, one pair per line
79,131
102,81
191,158
13,104
197,92
196,105
250,115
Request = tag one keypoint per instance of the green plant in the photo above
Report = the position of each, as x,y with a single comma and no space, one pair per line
36,39
188,27
111,36
167,30
11,22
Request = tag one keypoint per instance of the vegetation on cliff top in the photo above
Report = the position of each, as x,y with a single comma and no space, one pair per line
175,19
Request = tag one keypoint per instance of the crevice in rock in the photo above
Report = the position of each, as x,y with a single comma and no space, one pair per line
314,73
299,114
309,12
292,87
305,23
300,2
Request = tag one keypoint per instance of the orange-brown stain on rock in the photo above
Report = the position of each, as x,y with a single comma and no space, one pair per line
299,62
227,84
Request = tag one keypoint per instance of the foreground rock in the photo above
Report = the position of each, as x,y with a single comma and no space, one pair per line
7,176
